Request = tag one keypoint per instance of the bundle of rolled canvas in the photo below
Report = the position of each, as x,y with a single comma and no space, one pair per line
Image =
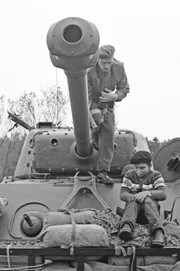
67,228
84,235
64,217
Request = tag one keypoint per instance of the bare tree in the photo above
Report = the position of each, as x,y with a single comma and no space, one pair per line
49,107
54,103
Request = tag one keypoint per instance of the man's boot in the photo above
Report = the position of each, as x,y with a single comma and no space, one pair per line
158,239
126,232
102,177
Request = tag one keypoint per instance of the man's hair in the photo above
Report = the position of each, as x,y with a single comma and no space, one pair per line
141,157
106,51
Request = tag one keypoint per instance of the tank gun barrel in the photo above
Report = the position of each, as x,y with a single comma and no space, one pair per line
73,45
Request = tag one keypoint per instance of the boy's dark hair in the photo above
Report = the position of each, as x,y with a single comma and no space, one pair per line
141,157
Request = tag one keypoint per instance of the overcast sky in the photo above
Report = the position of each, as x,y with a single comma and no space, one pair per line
144,33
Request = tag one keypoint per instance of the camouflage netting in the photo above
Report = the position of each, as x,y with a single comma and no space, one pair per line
111,223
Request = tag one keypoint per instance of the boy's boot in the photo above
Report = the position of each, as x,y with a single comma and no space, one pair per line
158,239
126,232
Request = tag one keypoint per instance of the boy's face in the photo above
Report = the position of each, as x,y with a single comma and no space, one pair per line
142,169
105,63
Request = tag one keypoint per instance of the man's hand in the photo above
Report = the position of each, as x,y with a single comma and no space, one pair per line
142,195
108,96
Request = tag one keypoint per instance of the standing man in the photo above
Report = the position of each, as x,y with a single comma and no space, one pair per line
107,84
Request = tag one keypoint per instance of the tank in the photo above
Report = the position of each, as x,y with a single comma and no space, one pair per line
57,167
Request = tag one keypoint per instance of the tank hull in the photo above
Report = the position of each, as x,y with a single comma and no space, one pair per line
46,196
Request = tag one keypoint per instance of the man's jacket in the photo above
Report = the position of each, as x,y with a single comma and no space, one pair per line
117,81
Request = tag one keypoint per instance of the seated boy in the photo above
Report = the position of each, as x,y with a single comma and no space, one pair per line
141,189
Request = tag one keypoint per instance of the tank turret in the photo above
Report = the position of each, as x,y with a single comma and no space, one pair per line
73,46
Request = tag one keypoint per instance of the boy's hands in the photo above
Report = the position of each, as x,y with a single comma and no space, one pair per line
142,195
